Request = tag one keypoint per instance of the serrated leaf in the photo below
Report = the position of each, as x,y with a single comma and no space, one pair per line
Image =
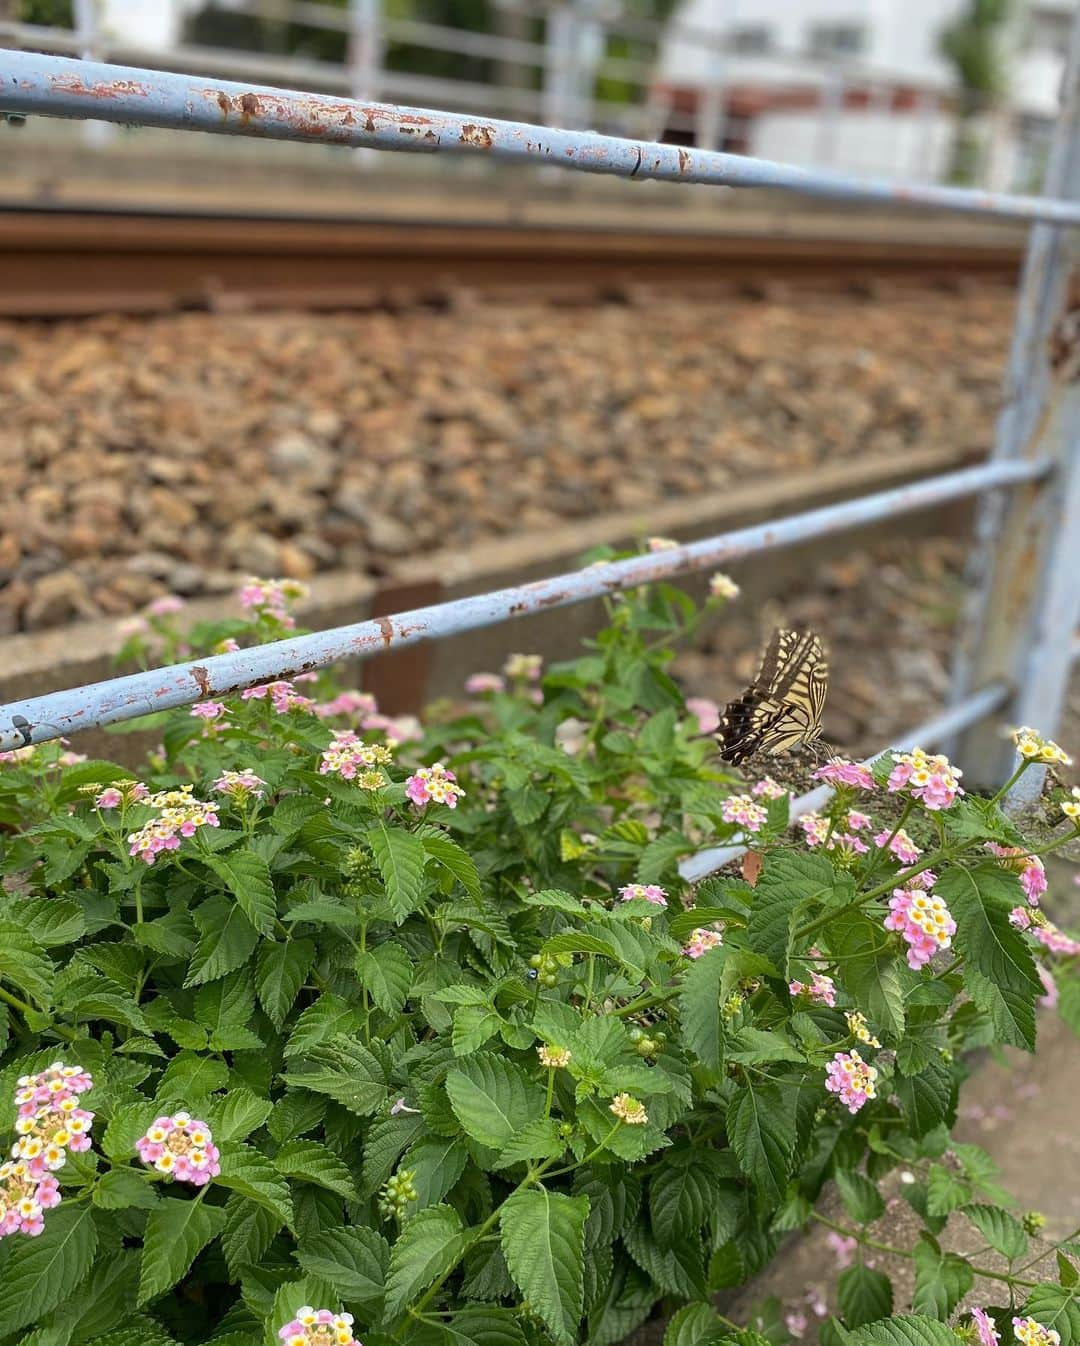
789,881
695,1325
189,1076
1003,1233
428,1246
753,1046
492,1098
860,1196
874,972
700,1008
227,940
400,857
926,1099
354,1259
473,1026
247,876
346,1071
535,1140
1055,1306
176,1232
542,1238
311,1162
555,899
122,1188
41,1272
24,963
864,1295
282,970
941,1281
999,971
386,973
235,1116
762,1132
325,1018
905,1329
680,1199
945,1190
450,855
436,1163
249,1231
248,1171
50,921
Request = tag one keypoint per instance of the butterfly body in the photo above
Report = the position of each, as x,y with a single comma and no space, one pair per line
781,709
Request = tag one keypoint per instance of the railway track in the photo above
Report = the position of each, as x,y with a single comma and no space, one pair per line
68,263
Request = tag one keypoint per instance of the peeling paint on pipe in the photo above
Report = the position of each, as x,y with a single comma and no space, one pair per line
41,718
58,86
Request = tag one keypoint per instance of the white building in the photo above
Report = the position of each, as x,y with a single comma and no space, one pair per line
857,85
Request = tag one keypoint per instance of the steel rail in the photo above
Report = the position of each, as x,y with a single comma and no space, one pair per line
961,716
33,84
38,719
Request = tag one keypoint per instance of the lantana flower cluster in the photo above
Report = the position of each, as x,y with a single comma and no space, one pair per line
1030,868
49,1124
484,684
240,785
1044,930
741,810
1071,806
121,794
840,771
282,695
985,1327
767,788
523,667
434,784
349,757
629,1110
852,1078
1032,1333
901,845
644,892
932,780
181,815
318,1327
859,1028
701,941
1032,747
181,1148
723,586
840,834
924,921
355,704
272,598
821,989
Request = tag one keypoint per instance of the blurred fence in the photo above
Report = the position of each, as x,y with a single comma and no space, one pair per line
589,64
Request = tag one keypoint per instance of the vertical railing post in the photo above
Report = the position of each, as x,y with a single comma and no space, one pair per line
87,16
1025,566
560,51
830,111
365,49
711,110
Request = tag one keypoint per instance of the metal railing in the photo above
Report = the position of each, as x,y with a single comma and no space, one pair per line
581,63
1018,639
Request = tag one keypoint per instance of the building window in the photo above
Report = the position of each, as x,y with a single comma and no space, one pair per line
754,39
836,39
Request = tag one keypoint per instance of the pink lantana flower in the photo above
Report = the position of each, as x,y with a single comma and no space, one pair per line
932,780
848,1075
482,684
181,1148
645,892
706,712
985,1327
701,941
923,920
1031,870
901,845
434,785
821,988
742,810
318,1327
839,771
767,788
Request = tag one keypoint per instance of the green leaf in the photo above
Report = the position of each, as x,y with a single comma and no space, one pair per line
945,1190
248,1171
941,1281
400,856
1055,1306
24,963
346,1071
999,971
227,940
580,941
311,1162
789,880
905,1329
865,1295
386,972
428,1246
535,1140
680,1199
189,1076
492,1098
927,1098
249,1231
695,1325
235,1116
247,876
543,1243
556,900
761,1126
700,1008
353,1259
176,1232
451,857
860,1196
1003,1233
41,1272
436,1163
122,1188
50,921
874,972
752,1046
282,970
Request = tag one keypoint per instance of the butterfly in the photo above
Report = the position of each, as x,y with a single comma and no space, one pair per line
781,709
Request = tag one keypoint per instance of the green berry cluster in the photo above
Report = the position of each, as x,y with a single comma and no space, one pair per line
545,966
396,1195
647,1043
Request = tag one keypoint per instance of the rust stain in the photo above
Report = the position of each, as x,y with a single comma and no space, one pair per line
684,160
387,629
202,679
106,90
223,103
481,137
249,106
